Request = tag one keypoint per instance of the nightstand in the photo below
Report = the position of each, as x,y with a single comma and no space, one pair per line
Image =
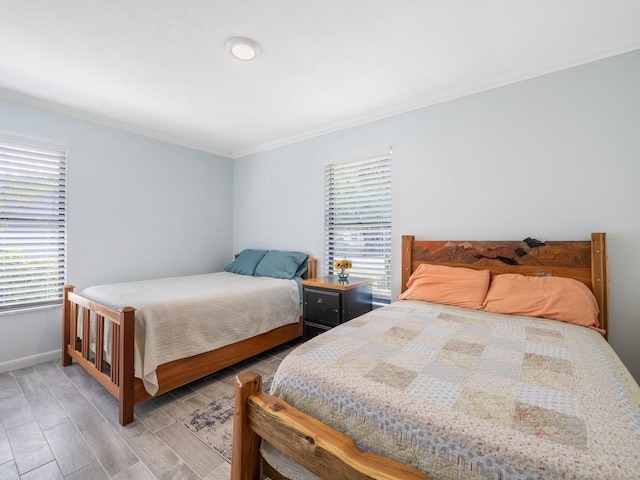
329,302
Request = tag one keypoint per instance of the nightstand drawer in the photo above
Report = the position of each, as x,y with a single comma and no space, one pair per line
322,306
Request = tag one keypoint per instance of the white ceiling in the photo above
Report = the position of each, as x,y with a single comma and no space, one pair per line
160,67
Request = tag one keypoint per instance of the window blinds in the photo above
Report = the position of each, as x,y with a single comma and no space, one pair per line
358,220
32,224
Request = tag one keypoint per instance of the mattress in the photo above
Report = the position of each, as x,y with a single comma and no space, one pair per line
458,393
179,317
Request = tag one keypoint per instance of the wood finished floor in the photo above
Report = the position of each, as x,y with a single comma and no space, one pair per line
59,423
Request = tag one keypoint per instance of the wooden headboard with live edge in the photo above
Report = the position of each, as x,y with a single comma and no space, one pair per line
585,261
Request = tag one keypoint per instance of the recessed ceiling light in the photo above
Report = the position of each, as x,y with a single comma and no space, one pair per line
243,48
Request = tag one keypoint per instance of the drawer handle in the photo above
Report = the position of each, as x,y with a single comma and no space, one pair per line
321,300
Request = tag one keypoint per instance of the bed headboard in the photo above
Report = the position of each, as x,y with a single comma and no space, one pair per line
585,261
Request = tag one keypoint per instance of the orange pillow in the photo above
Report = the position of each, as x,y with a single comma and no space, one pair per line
557,298
462,287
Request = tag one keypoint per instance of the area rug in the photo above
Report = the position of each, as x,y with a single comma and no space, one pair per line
213,424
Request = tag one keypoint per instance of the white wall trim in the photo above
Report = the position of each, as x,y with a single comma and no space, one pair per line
103,120
620,48
25,362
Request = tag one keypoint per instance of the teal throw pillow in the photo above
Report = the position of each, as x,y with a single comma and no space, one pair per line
281,264
246,262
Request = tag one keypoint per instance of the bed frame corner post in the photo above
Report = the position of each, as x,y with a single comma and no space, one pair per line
407,260
66,325
126,377
600,277
245,454
312,268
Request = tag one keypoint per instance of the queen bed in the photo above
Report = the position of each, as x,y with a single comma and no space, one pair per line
425,389
182,328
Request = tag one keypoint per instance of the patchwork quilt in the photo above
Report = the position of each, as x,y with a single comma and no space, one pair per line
458,393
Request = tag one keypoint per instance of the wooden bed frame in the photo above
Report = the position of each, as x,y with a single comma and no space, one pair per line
330,454
118,376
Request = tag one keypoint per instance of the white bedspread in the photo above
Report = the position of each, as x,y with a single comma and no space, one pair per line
179,317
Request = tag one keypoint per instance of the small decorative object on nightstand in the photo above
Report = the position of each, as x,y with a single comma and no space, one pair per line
341,266
330,301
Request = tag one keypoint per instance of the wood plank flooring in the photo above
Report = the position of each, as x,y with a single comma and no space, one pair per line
59,423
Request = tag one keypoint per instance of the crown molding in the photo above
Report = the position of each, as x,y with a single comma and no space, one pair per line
103,120
619,48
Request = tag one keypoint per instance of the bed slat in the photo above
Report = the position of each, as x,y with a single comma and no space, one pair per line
86,333
99,360
115,353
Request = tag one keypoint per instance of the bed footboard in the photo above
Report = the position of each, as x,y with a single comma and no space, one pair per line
319,448
84,341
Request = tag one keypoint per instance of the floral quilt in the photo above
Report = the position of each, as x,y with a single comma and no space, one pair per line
458,393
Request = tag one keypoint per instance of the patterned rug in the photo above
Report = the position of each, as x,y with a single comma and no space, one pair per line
213,424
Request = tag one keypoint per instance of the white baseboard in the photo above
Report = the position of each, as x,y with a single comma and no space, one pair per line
30,361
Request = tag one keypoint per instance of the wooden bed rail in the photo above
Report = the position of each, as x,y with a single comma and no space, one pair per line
117,375
322,450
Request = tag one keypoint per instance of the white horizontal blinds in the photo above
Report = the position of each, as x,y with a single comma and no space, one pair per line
358,220
32,224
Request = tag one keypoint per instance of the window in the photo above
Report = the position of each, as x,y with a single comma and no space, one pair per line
358,220
32,223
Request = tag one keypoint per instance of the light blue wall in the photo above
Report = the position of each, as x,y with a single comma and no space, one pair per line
556,157
137,208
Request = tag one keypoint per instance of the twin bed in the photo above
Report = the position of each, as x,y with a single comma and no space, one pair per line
182,328
420,389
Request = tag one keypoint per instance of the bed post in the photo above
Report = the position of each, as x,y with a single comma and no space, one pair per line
600,277
66,325
126,377
245,453
407,260
312,265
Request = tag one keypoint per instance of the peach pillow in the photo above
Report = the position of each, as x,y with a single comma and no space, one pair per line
462,287
557,298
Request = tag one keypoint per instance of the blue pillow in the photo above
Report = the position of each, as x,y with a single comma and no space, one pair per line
246,262
280,264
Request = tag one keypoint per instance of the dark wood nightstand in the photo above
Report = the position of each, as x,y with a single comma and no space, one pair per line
329,302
